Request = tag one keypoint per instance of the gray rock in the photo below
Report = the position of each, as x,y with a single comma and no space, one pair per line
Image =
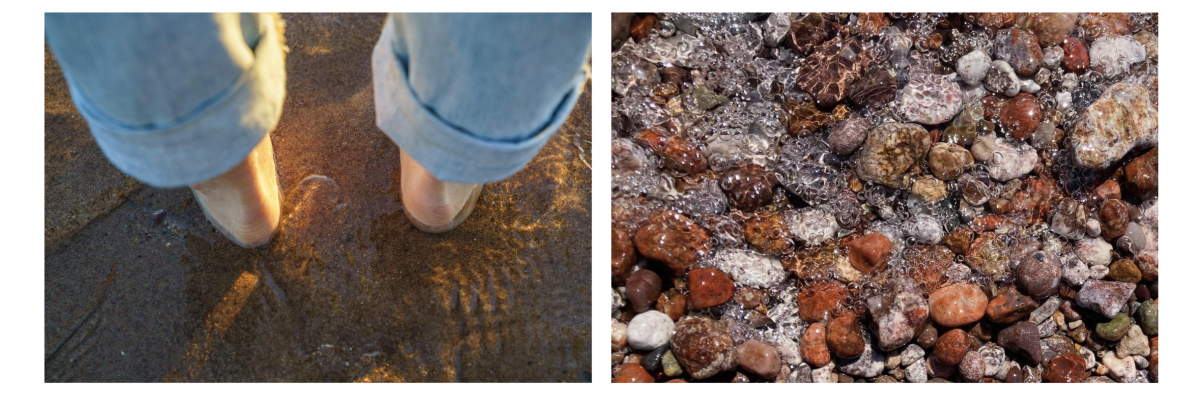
973,67
911,354
1093,250
984,146
1112,56
1012,159
1134,343
1104,297
916,372
930,99
1001,79
993,360
1052,57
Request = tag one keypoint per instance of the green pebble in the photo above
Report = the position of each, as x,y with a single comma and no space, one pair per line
671,366
1115,329
1148,318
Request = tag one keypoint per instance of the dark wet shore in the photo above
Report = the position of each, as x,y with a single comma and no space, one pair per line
348,290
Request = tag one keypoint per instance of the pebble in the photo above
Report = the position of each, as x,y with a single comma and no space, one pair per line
1010,306
874,89
895,317
1022,338
673,239
911,354
749,187
1021,115
973,67
708,287
846,136
1134,343
824,374
704,347
1124,270
984,147
1049,27
1075,56
916,372
1038,275
929,189
972,366
642,289
750,268
1122,119
617,302
930,99
829,71
1001,79
632,373
957,305
768,233
820,300
759,358
619,337
1094,251
928,336
804,118
1104,297
1114,329
789,351
1067,367
1119,369
674,305
891,150
653,360
1052,57
670,365
1045,310
1012,159
868,364
678,153
649,330
1020,48
844,337
993,360
811,225
951,347
623,256
989,256
870,253
947,161
1141,175
1113,56
1114,219
1148,317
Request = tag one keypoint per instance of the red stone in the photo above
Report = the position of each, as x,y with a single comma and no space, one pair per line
708,287
1114,219
821,299
703,347
1067,367
957,305
812,346
679,154
869,253
951,347
673,239
1108,190
1021,115
1010,306
844,337
632,373
674,305
1141,175
1075,56
642,289
640,27
768,234
622,256
747,297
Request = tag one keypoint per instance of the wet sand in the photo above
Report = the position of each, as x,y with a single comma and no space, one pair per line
348,290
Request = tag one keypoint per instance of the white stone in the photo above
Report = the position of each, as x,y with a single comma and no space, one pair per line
619,336
1114,55
1012,159
1094,251
750,268
824,374
916,372
1134,343
1120,369
650,330
811,225
911,354
972,67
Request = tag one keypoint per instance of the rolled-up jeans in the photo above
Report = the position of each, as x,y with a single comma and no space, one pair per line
176,99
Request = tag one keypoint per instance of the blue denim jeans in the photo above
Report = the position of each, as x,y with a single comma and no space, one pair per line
176,99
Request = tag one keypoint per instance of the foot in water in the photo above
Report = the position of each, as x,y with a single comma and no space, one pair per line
432,205
243,203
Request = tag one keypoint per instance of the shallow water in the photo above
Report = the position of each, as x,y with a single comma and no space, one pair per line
348,290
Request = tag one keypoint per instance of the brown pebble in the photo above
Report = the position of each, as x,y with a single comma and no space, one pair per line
844,337
622,256
951,347
632,373
812,346
869,253
819,300
708,287
759,358
642,289
673,239
957,305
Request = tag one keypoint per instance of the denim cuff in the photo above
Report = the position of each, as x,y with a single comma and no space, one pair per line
447,151
208,141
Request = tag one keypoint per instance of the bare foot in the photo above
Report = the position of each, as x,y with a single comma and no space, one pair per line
243,203
433,205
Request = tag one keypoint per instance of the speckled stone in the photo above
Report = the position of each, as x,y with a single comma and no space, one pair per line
623,256
869,253
891,150
768,233
1010,306
1002,79
1104,297
704,347
812,346
821,299
1148,317
1038,275
973,67
1113,56
1021,115
632,373
1141,175
1022,338
759,358
957,305
1134,343
749,268
1049,27
896,315
1075,56
868,364
749,187
1012,159
649,330
989,256
972,367
930,99
673,239
876,88
1121,119
951,347
847,135
708,287
1067,367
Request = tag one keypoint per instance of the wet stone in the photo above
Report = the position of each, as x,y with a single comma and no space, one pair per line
869,253
973,67
1012,159
947,161
930,99
1049,27
1019,48
649,330
642,289
768,234
847,135
833,66
1002,79
951,347
1067,367
623,256
891,150
679,154
1021,115
896,315
1022,338
1113,56
812,346
704,347
1141,175
708,287
868,364
804,118
957,305
821,299
927,265
632,373
876,88
749,187
989,256
1121,119
759,358
1038,275
844,336
1075,56
806,33
673,239
1114,219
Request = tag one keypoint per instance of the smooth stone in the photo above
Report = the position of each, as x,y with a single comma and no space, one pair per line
708,287
649,330
623,256
670,365
1002,79
1020,48
1021,115
972,367
653,360
632,373
812,346
1113,56
896,315
1114,329
1114,219
1119,369
819,300
642,288
1052,57
1075,56
911,354
844,336
1012,159
930,99
704,347
869,253
673,239
868,364
1009,306
1148,317
1038,275
890,151
984,147
847,135
951,347
972,67
916,372
1066,368
1095,251
1022,338
749,187
948,161
759,358
957,305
